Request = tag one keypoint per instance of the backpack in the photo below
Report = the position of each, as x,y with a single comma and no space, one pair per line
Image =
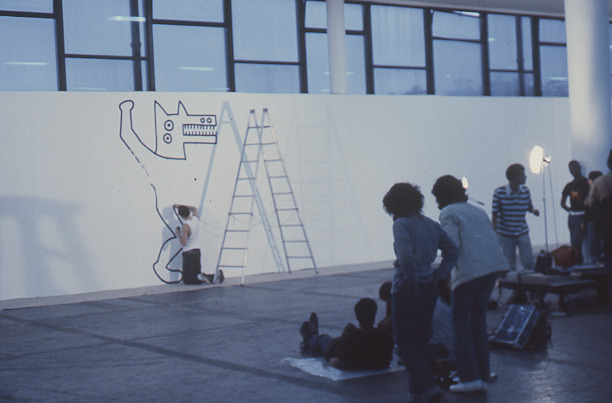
541,333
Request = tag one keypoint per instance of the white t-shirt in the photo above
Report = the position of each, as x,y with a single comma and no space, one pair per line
193,240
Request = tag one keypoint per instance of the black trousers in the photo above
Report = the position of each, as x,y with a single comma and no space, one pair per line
191,266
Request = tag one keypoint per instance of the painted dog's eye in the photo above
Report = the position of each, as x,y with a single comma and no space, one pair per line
169,125
167,138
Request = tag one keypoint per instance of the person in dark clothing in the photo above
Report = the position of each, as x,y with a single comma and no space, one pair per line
592,241
358,348
384,293
416,241
576,191
600,201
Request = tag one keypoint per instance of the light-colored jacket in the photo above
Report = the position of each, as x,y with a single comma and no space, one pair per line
480,252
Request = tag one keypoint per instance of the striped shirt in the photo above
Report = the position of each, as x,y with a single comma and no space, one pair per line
511,209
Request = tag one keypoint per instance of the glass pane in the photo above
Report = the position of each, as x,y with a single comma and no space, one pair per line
457,69
265,30
353,16
317,58
27,54
355,64
316,14
97,27
398,36
41,6
189,10
552,30
400,81
610,38
145,75
99,75
458,25
502,42
554,71
267,78
527,38
197,67
509,84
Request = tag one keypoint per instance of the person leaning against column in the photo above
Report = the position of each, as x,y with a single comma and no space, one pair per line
416,240
481,262
600,201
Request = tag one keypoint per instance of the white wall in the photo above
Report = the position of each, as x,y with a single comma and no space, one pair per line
77,213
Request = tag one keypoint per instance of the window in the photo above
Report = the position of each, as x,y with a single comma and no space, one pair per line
188,10
41,6
189,58
398,48
29,64
189,46
457,53
105,37
265,46
317,53
553,55
510,55
276,46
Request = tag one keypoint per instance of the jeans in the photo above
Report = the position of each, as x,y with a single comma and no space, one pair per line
317,344
523,243
577,231
412,312
469,317
593,244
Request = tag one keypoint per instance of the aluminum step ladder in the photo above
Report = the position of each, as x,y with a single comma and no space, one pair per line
260,145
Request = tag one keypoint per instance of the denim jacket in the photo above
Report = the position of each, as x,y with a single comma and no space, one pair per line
416,243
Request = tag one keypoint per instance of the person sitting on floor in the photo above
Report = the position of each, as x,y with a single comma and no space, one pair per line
366,347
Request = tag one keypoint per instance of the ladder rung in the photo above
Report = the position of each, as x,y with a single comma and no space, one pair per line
277,176
232,248
287,209
249,161
299,257
273,160
291,225
244,195
240,213
247,178
237,230
230,266
296,241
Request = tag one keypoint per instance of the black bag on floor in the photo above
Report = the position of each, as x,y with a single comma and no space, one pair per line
544,262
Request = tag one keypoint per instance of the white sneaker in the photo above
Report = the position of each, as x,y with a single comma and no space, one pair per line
203,278
469,387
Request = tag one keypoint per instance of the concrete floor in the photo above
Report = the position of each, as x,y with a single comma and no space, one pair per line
226,343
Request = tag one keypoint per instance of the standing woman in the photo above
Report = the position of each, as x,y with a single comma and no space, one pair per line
416,240
481,261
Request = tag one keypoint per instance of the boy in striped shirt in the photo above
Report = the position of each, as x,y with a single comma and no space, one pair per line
510,205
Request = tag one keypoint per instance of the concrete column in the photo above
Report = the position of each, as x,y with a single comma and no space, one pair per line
337,46
588,60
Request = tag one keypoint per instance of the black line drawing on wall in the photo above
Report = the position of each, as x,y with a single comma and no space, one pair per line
172,133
